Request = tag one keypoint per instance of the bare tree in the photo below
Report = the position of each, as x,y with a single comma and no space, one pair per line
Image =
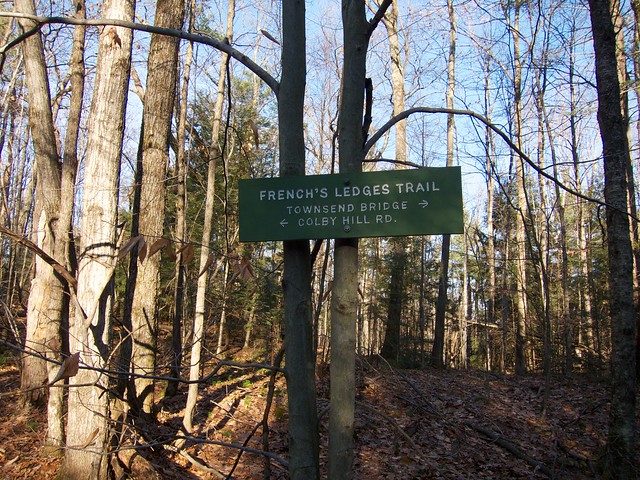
55,199
391,345
437,354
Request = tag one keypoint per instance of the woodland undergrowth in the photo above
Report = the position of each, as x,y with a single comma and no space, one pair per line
422,424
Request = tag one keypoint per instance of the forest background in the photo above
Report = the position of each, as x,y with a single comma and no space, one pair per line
136,142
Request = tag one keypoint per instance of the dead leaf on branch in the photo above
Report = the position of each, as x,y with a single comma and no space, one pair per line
242,269
90,439
68,369
142,249
128,246
208,263
187,253
158,245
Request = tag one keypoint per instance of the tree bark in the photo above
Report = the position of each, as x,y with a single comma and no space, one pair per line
87,426
207,232
621,448
182,166
298,325
391,345
344,298
156,120
437,354
45,294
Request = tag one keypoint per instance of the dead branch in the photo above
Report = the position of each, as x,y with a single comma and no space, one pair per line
501,441
393,423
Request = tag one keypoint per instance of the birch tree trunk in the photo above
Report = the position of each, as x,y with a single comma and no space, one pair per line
87,428
156,121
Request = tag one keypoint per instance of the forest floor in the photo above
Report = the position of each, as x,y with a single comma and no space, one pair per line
410,424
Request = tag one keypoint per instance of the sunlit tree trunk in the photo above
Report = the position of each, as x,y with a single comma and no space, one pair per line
45,294
182,166
521,344
207,232
156,125
87,428
48,304
491,251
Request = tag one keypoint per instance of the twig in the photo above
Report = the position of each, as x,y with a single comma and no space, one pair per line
244,444
199,465
206,441
265,419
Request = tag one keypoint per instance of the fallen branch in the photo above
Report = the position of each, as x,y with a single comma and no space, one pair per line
499,440
395,425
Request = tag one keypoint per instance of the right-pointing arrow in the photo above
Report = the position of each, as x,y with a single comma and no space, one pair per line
423,203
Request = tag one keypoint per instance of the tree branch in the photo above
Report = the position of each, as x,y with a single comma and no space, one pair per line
382,10
193,37
498,131
57,267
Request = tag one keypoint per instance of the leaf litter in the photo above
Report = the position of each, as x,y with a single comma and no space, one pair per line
410,424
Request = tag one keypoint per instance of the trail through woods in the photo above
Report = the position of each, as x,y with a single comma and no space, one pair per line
420,424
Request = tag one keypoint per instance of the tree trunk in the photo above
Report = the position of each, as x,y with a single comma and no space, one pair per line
621,448
437,354
182,166
391,345
300,357
207,232
90,328
344,300
156,120
45,294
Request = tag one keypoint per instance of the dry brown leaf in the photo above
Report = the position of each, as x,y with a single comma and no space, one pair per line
91,438
159,245
142,249
187,253
69,368
208,263
128,246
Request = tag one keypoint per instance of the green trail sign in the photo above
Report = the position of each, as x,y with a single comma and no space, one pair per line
376,204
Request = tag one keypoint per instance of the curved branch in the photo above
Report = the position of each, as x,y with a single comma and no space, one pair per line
469,113
52,262
193,37
382,10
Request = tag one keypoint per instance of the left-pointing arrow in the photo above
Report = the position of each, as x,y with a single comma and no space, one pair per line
284,223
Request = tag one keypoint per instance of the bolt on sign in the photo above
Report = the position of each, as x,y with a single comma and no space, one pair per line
422,201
